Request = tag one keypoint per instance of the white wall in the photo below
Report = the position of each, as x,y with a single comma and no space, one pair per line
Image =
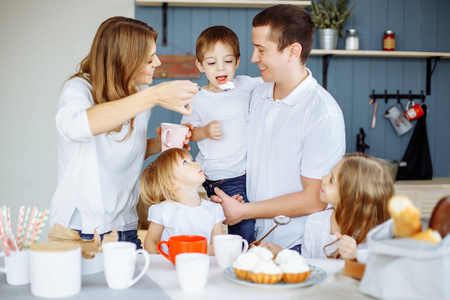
41,43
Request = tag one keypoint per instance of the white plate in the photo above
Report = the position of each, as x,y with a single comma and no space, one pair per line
317,275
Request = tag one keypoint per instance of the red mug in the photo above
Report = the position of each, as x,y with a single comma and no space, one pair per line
183,244
413,112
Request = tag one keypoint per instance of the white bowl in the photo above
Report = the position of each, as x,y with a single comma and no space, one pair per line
93,265
362,255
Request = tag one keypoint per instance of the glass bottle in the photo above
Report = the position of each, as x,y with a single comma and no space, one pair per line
352,40
389,40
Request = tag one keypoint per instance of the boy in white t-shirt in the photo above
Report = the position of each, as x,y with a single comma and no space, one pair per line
220,117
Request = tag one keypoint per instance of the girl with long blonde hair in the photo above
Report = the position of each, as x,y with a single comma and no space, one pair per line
169,187
357,191
101,121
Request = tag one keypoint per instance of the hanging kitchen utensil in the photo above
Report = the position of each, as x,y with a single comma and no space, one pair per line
398,120
374,117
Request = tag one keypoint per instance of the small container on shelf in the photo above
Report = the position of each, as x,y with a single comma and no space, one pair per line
352,40
389,40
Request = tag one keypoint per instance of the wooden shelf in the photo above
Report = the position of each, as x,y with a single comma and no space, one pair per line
221,3
374,53
327,54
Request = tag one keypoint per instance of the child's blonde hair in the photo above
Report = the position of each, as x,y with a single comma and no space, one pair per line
156,183
365,186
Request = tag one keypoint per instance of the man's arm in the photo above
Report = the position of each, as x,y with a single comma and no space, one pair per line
292,205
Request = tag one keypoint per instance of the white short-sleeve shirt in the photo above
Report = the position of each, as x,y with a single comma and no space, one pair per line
179,219
318,235
224,158
300,135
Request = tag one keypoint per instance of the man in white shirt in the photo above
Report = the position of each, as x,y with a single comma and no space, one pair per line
296,130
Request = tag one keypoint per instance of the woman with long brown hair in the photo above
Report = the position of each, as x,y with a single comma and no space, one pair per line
102,118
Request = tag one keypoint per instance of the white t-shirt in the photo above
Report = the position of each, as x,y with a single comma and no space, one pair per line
317,235
224,158
301,135
97,176
179,219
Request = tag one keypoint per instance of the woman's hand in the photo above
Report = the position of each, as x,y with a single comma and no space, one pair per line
214,130
347,246
188,136
175,95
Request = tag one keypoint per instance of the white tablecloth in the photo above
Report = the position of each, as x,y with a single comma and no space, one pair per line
335,286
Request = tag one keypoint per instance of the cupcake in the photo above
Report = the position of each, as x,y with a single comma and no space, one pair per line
267,272
287,255
295,271
246,263
264,253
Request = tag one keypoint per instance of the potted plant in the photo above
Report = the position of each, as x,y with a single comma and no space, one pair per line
329,17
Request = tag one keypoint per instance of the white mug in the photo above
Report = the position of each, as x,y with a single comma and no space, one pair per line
173,135
16,267
55,269
227,248
119,260
192,271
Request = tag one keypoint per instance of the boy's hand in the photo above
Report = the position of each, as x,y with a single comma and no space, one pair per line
347,246
214,130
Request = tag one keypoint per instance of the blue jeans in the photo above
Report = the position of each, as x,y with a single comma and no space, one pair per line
124,236
233,186
297,248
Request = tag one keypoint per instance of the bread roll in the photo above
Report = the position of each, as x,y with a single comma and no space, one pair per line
405,215
440,218
429,235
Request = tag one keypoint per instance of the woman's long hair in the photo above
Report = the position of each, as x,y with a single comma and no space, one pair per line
119,51
365,186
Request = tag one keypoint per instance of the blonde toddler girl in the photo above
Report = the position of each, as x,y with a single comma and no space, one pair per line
169,185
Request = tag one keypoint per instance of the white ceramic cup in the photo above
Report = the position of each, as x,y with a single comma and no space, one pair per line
192,271
16,267
227,248
55,269
173,135
119,259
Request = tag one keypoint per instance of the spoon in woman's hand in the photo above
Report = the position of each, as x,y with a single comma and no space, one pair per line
279,220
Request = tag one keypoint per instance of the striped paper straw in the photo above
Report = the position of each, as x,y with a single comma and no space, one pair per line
9,230
35,228
25,223
28,233
41,225
20,224
2,225
3,220
5,244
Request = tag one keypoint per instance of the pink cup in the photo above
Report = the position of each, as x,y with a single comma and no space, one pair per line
173,135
